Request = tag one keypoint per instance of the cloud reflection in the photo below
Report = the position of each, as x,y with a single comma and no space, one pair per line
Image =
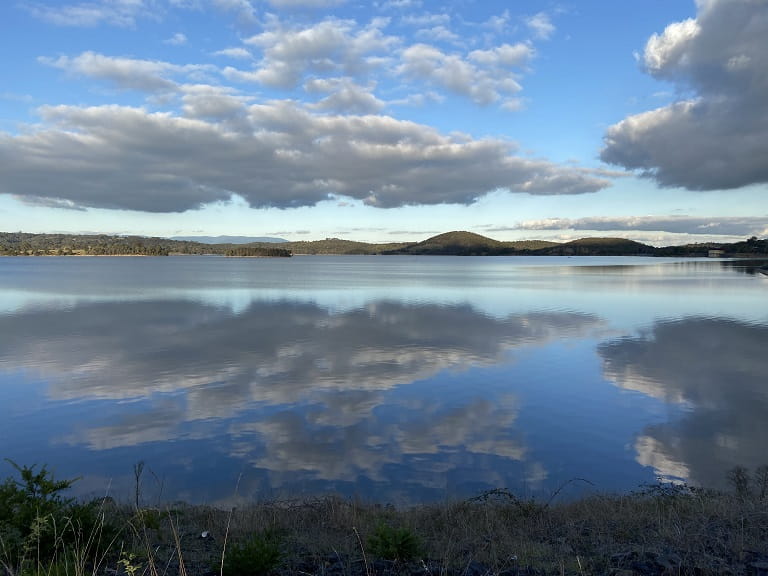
275,353
716,370
290,388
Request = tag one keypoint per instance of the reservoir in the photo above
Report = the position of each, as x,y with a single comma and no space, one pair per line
400,379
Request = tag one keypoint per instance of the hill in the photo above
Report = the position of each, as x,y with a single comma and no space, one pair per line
456,243
470,244
24,244
598,247
339,246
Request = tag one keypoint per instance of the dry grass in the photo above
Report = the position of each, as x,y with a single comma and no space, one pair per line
674,531
664,529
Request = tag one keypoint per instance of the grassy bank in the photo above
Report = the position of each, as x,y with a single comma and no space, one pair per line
660,529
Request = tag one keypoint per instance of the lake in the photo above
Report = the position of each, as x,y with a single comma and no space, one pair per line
395,379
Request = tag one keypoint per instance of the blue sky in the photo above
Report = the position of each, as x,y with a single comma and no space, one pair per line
386,121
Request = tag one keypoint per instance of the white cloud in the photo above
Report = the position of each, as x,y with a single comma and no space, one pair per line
513,104
498,23
244,9
717,139
203,101
438,34
426,20
504,56
305,3
177,39
344,95
276,154
483,76
668,50
399,4
89,14
237,53
129,73
125,73
328,47
541,25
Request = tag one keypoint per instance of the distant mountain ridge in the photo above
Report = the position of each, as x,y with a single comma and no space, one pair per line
457,243
229,239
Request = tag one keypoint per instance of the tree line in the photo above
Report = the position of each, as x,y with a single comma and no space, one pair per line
26,244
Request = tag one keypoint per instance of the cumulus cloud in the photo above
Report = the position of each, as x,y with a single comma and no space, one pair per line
344,95
718,138
482,75
125,73
279,154
329,47
541,25
203,101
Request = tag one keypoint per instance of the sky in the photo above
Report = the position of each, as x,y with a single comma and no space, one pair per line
386,121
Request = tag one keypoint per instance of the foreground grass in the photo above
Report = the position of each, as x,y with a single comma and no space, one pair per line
662,529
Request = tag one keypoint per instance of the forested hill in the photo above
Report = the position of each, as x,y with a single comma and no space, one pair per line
470,244
22,244
450,243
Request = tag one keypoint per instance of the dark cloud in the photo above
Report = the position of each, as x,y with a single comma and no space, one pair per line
718,139
714,367
276,154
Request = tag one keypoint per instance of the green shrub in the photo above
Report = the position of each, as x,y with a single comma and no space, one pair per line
256,556
38,523
392,543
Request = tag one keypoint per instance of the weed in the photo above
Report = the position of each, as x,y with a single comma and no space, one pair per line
131,564
392,543
258,555
146,518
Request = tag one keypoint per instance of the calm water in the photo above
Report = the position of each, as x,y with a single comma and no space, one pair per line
397,379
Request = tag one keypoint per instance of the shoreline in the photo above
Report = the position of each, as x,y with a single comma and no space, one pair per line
660,529
665,529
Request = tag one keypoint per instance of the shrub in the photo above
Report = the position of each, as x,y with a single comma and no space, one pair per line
37,521
258,555
394,543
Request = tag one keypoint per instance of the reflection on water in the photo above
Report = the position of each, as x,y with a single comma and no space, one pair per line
286,387
718,369
394,379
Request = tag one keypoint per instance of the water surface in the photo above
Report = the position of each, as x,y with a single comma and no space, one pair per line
397,379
